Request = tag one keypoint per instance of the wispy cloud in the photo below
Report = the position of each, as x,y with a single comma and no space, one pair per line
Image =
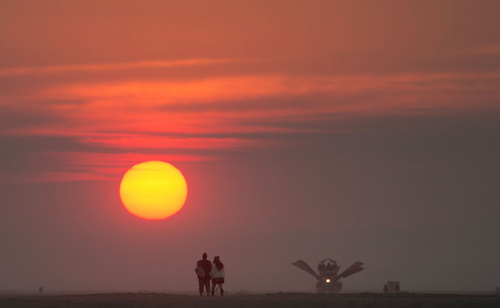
158,142
228,105
232,104
215,112
108,67
57,166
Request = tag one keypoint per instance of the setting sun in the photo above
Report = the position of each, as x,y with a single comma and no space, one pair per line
153,190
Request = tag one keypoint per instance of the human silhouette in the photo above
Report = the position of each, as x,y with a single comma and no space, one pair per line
217,275
204,279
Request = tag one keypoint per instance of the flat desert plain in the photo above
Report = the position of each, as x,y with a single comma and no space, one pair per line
291,300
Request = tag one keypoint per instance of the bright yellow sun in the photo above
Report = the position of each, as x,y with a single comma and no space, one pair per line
153,190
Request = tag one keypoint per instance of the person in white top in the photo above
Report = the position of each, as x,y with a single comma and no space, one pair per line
217,275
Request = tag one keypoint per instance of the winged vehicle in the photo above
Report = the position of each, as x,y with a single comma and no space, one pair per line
329,279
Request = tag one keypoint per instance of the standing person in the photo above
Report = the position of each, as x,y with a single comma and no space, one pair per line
204,280
217,275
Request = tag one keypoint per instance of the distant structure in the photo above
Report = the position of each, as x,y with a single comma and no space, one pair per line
243,292
392,287
40,290
328,277
498,290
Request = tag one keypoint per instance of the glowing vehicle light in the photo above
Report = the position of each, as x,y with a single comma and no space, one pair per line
328,281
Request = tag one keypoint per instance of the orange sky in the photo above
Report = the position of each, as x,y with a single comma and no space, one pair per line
138,75
370,114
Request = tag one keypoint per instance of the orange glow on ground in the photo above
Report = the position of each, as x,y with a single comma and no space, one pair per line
153,190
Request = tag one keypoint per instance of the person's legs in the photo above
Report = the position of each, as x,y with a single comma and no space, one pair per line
200,286
207,286
214,285
213,288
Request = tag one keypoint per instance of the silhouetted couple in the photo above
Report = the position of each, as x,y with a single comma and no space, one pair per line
207,271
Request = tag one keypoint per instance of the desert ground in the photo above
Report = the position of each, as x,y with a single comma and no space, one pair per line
289,300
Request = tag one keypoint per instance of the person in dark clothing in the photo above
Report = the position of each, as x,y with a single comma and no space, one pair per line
204,281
